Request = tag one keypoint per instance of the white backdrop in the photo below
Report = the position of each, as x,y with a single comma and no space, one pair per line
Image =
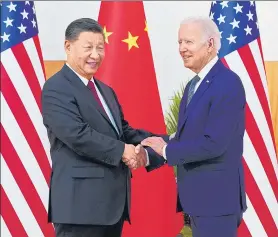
163,21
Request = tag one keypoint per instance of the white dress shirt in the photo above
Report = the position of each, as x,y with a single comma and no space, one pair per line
202,74
105,106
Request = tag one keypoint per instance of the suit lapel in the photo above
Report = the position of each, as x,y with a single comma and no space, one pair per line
197,95
205,84
86,93
111,103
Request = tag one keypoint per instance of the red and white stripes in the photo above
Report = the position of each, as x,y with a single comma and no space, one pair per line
25,158
260,161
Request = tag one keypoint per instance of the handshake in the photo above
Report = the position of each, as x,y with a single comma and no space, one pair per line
136,156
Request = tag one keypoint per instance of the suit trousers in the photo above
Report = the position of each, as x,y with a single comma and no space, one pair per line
215,226
73,230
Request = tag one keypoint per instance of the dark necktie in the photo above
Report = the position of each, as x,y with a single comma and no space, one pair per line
93,89
192,88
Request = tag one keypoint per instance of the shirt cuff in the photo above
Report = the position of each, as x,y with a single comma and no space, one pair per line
164,152
172,136
148,159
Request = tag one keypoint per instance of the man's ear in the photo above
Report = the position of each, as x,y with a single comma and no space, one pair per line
67,46
211,44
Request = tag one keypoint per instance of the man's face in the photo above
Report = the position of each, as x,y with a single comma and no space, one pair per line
86,53
192,47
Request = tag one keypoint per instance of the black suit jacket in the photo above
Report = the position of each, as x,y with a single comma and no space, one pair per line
89,182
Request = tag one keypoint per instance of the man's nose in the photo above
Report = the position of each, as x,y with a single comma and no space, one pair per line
183,47
94,54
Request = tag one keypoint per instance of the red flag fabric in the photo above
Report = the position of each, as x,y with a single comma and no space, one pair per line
128,68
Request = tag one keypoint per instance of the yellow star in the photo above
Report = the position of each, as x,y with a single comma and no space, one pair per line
131,41
106,34
146,27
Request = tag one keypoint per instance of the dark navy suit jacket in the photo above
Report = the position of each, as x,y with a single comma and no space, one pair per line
89,182
208,146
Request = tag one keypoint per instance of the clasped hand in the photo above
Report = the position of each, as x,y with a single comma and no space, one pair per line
134,157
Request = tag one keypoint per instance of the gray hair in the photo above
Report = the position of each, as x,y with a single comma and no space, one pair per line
82,25
210,29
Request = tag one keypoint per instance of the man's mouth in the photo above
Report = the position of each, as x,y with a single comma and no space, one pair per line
92,64
186,57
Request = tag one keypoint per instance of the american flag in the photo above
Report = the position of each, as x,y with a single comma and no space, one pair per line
25,163
241,51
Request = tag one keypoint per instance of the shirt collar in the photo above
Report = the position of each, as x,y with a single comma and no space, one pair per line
83,79
202,74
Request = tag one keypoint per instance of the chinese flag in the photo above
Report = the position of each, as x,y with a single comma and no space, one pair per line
128,68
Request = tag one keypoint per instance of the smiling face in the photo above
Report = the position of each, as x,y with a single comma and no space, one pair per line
86,53
194,49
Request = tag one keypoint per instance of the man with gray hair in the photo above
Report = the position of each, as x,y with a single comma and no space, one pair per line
208,144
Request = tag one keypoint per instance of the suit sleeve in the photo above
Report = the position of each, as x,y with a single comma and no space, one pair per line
226,111
62,117
155,161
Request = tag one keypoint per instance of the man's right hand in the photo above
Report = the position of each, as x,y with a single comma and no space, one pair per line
129,156
156,143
